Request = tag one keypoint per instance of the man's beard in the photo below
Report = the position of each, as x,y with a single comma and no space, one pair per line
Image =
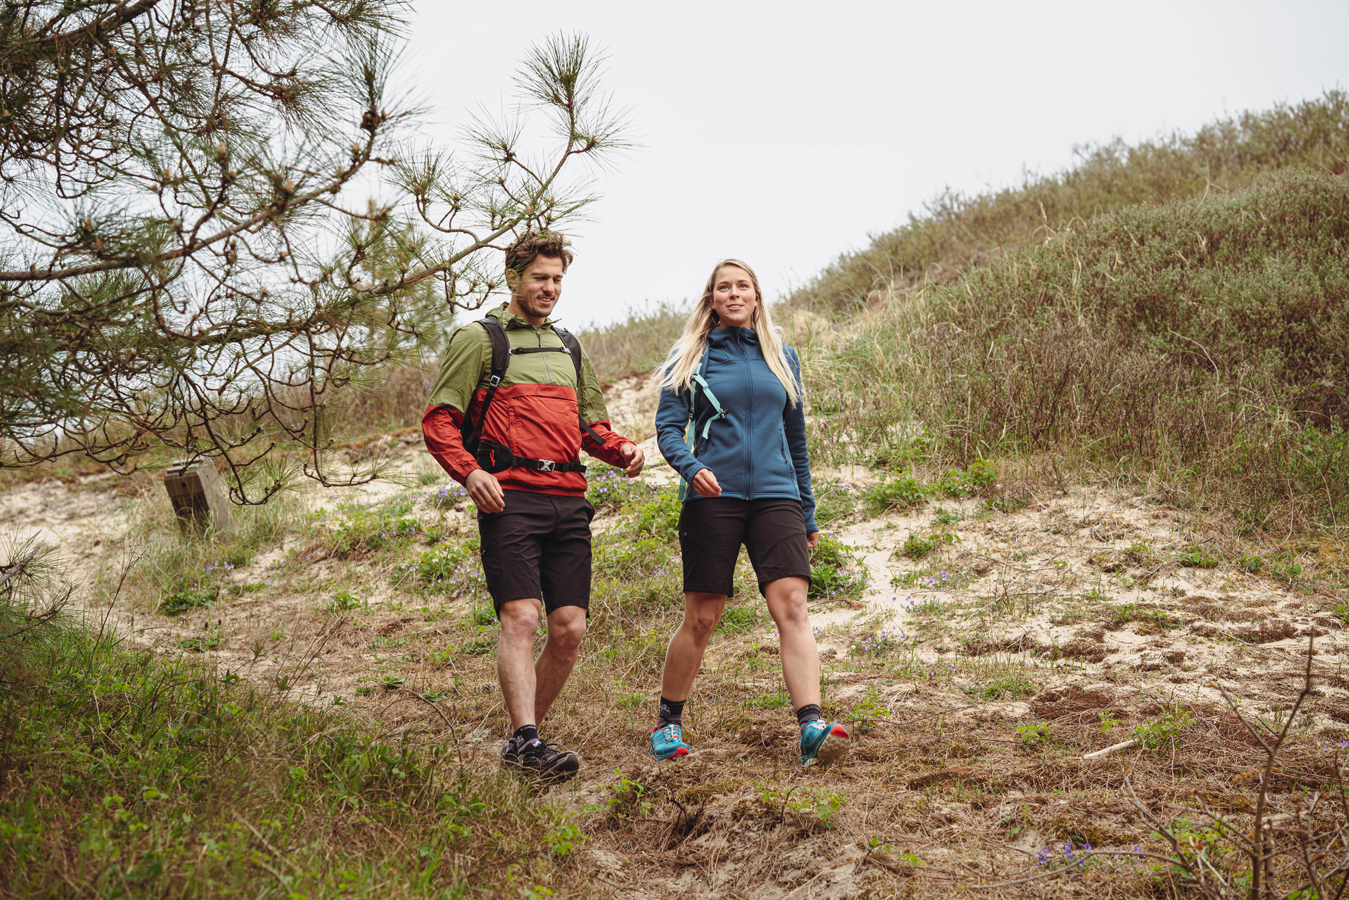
530,308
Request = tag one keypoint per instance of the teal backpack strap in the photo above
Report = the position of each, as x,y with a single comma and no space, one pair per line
717,413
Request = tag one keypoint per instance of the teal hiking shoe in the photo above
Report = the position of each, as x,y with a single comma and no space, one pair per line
668,741
823,743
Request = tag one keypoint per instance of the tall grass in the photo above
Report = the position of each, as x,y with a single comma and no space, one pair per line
1202,341
957,232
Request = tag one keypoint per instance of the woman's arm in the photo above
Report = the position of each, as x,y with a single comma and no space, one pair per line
672,417
794,423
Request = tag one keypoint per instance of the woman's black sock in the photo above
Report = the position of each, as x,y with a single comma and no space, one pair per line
807,714
671,711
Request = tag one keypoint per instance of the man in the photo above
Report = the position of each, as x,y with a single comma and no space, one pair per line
533,518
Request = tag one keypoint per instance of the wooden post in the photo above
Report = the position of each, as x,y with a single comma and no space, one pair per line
198,499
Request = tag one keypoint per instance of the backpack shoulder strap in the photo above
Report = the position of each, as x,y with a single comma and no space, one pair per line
574,348
717,413
471,431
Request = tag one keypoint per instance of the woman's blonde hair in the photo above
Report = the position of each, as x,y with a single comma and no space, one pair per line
687,351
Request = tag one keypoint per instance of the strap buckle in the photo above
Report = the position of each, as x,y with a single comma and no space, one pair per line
547,465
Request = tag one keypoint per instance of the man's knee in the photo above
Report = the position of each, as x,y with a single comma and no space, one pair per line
519,619
566,627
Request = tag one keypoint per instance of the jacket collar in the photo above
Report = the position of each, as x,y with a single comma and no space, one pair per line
722,337
511,320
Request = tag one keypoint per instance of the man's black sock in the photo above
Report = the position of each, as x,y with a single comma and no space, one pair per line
671,711
807,714
524,734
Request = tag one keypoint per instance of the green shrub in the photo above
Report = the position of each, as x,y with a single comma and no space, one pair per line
836,571
916,547
658,515
1196,557
897,493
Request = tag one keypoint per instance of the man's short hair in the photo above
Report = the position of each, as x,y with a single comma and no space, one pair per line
533,244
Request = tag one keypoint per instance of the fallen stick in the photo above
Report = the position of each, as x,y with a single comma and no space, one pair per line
1122,745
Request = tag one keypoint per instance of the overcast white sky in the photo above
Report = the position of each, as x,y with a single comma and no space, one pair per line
786,133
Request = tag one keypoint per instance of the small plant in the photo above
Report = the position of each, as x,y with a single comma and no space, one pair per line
363,530
902,492
1250,564
1161,733
1033,736
971,481
391,682
811,808
942,517
181,601
835,569
201,644
627,802
343,601
867,713
1196,557
917,547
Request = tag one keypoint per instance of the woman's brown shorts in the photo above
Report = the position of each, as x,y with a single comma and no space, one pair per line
711,530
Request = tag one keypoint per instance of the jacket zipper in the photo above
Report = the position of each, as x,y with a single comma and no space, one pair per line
749,419
548,373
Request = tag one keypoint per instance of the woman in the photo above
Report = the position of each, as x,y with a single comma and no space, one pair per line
750,480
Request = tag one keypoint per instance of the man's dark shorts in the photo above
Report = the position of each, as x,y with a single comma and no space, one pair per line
711,530
539,547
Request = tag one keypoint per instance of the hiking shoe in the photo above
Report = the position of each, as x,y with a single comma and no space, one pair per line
823,743
536,758
668,741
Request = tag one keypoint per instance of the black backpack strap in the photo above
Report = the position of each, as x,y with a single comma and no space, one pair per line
496,457
574,348
471,431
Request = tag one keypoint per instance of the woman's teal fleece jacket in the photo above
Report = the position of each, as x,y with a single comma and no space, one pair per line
759,449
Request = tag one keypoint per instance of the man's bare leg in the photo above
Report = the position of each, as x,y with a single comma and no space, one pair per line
515,660
566,627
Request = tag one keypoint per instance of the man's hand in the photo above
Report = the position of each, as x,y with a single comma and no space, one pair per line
485,491
633,456
813,540
705,483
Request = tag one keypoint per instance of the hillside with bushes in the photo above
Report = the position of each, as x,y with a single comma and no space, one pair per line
1082,598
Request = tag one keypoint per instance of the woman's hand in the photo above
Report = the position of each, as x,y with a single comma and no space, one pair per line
705,483
813,540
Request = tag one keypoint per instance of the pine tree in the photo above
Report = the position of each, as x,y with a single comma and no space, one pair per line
211,218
